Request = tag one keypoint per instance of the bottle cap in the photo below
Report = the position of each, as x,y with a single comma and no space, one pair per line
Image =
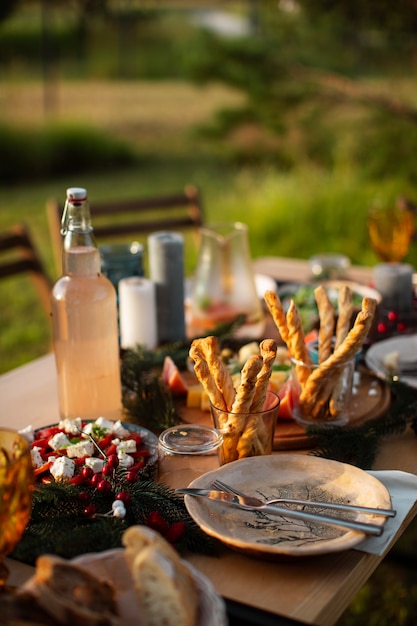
77,193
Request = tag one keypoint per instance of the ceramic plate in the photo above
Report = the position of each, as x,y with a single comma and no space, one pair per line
302,476
111,566
406,346
149,439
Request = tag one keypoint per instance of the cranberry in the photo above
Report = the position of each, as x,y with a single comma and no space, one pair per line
392,316
131,477
108,470
104,486
84,496
96,479
87,472
382,327
123,496
401,327
113,460
90,510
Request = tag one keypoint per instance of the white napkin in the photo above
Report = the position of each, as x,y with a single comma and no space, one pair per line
403,490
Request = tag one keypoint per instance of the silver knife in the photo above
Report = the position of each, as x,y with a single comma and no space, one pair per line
248,503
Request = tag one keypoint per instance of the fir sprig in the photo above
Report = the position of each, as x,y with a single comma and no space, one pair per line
360,445
58,524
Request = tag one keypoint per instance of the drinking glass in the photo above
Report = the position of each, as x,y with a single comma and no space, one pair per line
16,483
121,260
390,232
326,403
246,434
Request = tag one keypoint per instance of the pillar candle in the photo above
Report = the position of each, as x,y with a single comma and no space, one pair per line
394,281
137,313
166,270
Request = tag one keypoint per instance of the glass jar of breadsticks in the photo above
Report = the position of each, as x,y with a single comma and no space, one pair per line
321,393
245,415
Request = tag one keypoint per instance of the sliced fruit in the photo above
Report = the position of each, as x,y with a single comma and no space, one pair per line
171,376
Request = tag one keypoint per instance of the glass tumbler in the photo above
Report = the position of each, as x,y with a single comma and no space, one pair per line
321,397
121,261
186,452
246,434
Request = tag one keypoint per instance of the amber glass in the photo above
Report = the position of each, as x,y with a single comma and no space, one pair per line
16,483
390,233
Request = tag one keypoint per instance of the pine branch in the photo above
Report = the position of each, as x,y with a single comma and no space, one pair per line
360,445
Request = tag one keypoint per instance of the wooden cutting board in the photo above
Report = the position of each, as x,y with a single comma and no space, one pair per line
371,399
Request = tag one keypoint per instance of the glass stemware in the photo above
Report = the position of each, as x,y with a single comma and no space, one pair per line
390,232
16,484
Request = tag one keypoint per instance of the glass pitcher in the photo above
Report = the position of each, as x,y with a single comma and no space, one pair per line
224,285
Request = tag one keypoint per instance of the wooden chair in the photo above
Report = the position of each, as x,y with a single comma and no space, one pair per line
19,256
180,211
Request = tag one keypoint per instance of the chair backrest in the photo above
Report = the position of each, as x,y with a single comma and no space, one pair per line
19,256
179,211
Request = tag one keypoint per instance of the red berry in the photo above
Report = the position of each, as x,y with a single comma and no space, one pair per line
131,477
175,532
84,496
87,472
108,470
96,479
104,486
113,460
392,316
124,497
401,327
90,510
382,328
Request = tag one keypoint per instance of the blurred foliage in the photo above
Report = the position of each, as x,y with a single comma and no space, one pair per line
308,87
58,149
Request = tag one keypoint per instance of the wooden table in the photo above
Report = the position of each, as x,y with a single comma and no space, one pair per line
312,591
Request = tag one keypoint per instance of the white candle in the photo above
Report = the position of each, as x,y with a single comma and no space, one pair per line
166,269
137,313
394,281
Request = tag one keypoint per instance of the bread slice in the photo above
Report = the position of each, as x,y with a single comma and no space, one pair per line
71,594
137,538
165,589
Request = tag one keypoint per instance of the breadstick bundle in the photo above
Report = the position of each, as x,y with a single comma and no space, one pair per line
321,392
238,413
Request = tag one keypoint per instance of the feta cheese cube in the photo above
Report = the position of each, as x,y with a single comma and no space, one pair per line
102,422
72,427
95,464
80,449
62,468
128,445
120,431
37,459
88,428
125,460
28,433
59,441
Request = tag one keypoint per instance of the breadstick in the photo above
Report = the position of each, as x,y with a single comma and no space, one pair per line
327,318
278,314
296,342
202,372
268,348
246,389
315,394
345,312
209,347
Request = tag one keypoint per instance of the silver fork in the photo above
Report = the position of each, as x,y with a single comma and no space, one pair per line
221,486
